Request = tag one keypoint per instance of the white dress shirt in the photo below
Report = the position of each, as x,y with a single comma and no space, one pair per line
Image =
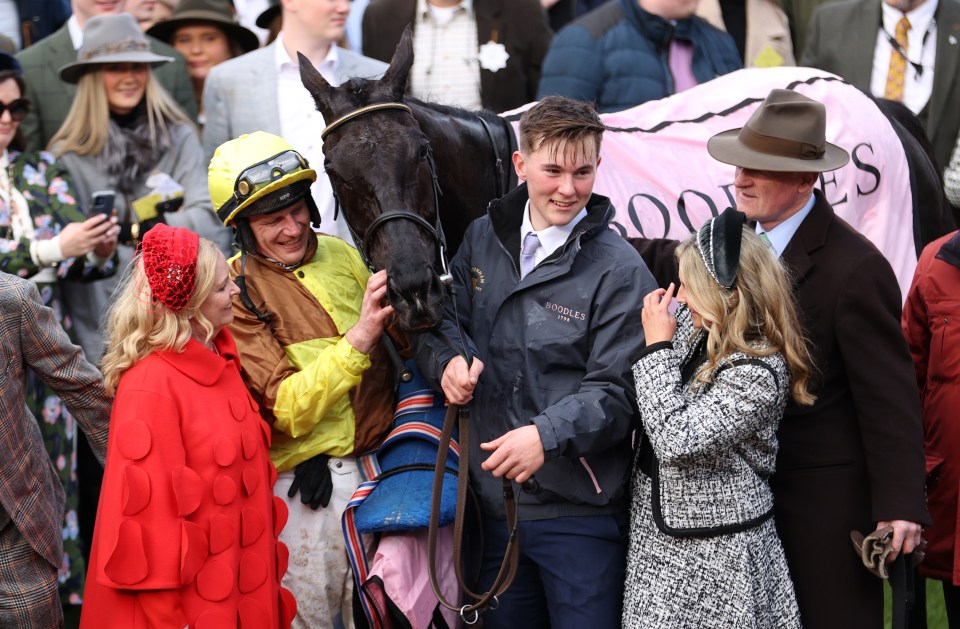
10,22
301,125
551,238
916,89
780,235
76,33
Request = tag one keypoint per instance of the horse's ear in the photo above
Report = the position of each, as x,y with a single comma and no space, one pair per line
322,92
396,75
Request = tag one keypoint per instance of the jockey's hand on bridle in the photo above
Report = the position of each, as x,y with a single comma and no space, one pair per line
375,311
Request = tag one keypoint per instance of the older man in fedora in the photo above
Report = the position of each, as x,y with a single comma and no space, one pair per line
853,460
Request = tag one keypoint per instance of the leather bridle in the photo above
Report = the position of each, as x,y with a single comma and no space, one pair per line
469,613
435,230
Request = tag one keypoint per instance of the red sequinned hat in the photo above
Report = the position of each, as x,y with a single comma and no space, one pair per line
170,263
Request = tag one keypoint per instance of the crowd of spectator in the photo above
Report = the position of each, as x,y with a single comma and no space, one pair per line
146,144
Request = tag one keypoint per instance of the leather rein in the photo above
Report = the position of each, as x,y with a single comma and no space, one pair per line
456,414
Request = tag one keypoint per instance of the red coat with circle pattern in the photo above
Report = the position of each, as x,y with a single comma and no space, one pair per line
187,524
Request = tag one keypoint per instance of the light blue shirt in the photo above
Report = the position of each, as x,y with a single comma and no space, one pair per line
781,234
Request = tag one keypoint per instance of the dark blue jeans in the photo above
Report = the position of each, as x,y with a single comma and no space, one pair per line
570,575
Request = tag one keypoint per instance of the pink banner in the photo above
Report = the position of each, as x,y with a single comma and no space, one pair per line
663,182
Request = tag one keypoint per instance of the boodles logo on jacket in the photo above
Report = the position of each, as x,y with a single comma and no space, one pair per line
564,313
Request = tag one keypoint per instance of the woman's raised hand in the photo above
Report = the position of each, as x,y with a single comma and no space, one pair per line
658,324
98,234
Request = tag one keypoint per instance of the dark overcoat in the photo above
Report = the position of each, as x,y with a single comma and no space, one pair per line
855,457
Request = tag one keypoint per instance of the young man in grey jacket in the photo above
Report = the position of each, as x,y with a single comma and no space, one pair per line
549,301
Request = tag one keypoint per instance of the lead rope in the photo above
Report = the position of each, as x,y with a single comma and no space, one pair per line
469,613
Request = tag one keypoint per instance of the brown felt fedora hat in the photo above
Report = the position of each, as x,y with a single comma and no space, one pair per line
787,133
216,12
111,39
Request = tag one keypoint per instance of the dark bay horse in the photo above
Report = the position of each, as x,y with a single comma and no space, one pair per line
403,159
402,169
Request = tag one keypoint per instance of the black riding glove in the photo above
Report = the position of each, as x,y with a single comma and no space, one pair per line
312,478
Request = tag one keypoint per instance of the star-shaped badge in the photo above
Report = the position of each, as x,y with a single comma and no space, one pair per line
493,56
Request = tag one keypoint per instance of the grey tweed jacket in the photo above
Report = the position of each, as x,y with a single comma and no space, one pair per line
715,443
240,95
32,338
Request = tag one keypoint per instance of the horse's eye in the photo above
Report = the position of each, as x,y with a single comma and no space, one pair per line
424,151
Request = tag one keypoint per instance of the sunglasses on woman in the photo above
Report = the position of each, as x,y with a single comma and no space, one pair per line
18,109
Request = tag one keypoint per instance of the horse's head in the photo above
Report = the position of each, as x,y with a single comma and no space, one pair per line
381,167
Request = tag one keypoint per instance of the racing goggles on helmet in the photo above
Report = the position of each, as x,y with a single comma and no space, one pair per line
259,176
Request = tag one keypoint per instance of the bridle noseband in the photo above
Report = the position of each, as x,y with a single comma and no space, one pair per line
435,230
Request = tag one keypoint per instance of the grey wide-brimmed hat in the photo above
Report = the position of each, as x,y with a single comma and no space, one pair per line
111,39
787,133
219,13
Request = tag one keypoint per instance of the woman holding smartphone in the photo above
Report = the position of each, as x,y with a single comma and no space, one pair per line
125,134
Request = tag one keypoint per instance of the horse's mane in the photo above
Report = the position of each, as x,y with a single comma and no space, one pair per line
455,112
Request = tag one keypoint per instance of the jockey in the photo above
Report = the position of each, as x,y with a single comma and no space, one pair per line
308,326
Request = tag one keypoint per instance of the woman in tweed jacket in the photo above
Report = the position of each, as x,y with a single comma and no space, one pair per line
703,548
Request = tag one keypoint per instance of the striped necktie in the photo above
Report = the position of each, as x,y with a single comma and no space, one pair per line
897,72
528,254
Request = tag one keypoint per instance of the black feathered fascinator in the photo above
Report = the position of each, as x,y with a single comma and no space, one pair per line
719,241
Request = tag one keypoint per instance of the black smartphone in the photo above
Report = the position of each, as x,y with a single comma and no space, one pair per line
102,203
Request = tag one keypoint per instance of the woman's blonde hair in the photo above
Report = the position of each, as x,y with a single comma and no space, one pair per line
85,130
760,307
138,325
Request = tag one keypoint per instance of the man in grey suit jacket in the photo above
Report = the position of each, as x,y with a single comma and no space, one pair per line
261,91
31,496
51,98
845,38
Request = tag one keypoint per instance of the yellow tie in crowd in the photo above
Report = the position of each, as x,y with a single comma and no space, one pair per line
898,62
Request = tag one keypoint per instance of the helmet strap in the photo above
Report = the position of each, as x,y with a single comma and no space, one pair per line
241,282
314,211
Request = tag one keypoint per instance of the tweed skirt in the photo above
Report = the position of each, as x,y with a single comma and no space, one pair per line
739,580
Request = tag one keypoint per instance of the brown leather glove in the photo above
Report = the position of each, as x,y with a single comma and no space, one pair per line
874,549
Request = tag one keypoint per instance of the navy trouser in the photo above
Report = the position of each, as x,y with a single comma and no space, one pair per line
571,572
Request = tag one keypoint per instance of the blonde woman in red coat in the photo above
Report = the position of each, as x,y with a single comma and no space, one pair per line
187,525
